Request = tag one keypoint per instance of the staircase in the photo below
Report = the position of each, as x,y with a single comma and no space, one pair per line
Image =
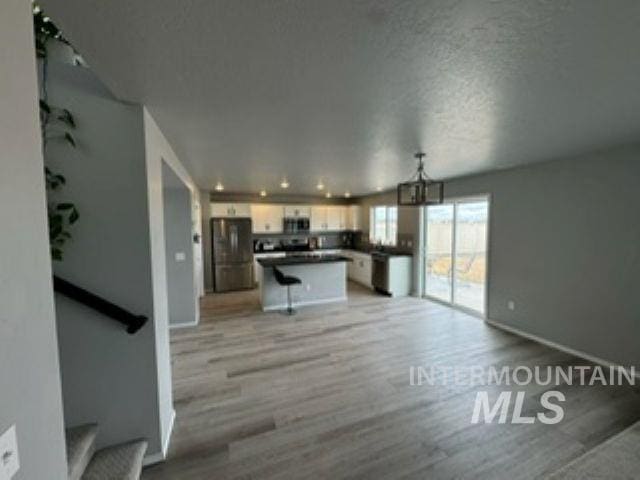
119,462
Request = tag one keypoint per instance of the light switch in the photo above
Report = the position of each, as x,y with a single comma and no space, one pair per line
181,256
9,461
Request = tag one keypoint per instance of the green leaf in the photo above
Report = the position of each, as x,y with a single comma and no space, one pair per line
56,253
55,220
65,206
67,118
45,106
73,218
55,232
69,138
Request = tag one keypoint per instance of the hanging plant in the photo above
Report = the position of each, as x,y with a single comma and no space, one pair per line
56,124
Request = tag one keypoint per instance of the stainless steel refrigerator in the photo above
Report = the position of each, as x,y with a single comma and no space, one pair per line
232,254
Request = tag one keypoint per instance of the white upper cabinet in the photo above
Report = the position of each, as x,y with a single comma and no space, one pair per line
269,218
353,218
230,209
318,218
297,211
336,218
331,218
266,218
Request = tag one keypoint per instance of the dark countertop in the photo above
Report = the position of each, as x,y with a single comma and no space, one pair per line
301,260
353,249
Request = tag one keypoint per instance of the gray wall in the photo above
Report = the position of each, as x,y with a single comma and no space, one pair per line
109,377
181,289
207,260
565,247
30,394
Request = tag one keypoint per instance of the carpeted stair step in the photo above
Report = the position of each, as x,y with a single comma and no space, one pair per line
120,462
81,445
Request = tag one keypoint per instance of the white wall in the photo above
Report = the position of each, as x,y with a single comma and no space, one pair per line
157,150
120,381
109,377
30,395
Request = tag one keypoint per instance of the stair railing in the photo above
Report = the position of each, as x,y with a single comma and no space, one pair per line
131,321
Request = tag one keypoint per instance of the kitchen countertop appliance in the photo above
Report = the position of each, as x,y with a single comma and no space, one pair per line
232,254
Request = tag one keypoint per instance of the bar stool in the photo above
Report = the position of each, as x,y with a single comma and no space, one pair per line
286,281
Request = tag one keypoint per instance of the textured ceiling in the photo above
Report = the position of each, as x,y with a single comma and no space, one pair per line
347,90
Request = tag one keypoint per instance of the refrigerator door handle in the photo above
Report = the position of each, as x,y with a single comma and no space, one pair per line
233,233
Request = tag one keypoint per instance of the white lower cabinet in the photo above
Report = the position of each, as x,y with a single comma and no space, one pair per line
359,269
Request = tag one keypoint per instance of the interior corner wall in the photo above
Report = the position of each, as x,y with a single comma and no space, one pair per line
157,151
563,245
109,377
30,396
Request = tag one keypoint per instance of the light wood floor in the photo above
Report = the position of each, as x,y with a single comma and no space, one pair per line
325,395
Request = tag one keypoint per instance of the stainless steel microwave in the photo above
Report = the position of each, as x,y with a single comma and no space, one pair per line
296,225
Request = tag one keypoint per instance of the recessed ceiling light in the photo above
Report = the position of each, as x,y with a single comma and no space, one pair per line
219,187
328,195
263,193
347,194
320,185
284,183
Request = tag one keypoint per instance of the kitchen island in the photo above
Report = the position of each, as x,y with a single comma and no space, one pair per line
324,280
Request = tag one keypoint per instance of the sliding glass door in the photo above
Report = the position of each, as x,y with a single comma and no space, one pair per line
456,253
439,257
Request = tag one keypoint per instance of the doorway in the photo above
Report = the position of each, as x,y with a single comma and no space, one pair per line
456,256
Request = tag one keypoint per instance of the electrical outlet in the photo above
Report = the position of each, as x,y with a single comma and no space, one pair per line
181,256
511,305
9,460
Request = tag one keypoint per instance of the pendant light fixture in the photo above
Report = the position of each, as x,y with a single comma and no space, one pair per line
420,189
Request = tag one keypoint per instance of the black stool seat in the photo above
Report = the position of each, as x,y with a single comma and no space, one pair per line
286,281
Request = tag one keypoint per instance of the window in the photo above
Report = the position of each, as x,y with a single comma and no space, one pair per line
384,225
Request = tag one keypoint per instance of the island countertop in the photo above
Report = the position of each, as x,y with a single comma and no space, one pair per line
301,260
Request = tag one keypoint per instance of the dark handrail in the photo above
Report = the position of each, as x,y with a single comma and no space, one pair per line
68,289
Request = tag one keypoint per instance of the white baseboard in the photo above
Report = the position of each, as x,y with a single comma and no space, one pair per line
178,326
272,308
157,457
558,346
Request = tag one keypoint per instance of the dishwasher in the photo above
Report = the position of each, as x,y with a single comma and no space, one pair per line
380,272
